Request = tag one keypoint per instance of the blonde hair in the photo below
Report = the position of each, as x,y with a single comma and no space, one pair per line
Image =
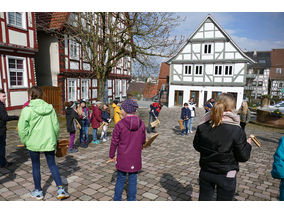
225,102
243,109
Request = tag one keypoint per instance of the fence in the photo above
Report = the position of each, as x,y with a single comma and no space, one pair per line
52,96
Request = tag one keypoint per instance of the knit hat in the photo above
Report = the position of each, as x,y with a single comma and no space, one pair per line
129,106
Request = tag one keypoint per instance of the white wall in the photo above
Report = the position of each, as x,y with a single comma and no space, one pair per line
54,61
18,98
186,93
17,38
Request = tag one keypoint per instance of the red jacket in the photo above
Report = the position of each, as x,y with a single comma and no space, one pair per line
96,117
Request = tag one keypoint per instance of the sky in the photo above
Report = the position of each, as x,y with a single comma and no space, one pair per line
260,31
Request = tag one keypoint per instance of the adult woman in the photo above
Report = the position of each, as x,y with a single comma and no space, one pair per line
245,114
38,129
222,144
191,106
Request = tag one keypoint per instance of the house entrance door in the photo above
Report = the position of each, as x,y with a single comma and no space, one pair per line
195,95
178,98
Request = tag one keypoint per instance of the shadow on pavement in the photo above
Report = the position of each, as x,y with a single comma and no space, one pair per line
69,165
20,156
175,189
266,139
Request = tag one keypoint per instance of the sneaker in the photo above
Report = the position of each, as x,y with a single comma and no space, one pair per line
36,194
62,194
191,131
96,142
104,140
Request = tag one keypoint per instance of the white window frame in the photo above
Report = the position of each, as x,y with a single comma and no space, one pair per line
186,67
73,43
25,77
85,95
73,98
95,93
117,88
228,65
202,69
95,83
23,24
124,87
1,79
278,70
207,50
261,84
218,67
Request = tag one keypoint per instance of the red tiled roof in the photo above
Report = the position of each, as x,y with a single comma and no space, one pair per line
51,20
150,90
164,71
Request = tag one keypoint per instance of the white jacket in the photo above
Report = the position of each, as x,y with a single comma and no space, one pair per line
192,107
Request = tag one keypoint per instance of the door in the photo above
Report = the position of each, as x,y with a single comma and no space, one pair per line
178,98
215,94
205,98
195,95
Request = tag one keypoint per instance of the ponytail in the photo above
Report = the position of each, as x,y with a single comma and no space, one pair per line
217,114
225,102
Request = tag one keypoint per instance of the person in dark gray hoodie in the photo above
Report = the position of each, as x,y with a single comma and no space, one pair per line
128,138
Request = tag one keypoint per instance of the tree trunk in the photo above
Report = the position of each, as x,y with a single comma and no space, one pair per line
101,89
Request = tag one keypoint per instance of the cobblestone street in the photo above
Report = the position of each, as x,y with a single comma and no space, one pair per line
170,167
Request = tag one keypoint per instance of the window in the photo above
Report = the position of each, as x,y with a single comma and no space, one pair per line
278,70
95,93
228,70
280,85
218,70
260,83
207,48
254,83
17,19
16,72
123,87
116,88
74,52
187,70
261,71
84,89
95,83
72,90
262,61
198,70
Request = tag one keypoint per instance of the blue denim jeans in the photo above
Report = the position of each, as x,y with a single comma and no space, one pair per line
185,124
50,158
95,134
132,186
3,160
84,130
190,122
281,198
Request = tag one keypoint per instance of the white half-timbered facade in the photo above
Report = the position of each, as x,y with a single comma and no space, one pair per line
18,44
209,64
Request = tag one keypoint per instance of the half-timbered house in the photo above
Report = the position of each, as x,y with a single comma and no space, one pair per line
60,63
18,45
277,73
208,64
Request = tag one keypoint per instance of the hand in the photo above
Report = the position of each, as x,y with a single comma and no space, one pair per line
249,140
111,160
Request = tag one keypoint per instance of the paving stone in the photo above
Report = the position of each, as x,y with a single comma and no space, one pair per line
89,191
150,196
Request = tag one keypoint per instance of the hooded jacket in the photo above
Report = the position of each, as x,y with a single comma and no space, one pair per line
278,164
128,138
116,112
70,123
38,126
96,117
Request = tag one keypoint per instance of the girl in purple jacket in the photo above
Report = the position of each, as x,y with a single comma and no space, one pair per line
128,138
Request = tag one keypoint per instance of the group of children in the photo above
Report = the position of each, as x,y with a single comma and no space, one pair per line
79,117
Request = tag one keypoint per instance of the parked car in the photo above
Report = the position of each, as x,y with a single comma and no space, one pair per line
279,106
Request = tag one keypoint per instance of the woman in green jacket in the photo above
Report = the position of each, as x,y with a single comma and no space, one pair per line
38,129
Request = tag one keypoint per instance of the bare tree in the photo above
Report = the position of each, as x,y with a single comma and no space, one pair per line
107,37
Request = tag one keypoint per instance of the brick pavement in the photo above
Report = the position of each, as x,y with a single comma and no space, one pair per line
170,168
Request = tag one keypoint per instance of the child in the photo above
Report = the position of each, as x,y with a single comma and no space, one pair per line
38,129
116,111
71,115
185,116
96,119
107,120
128,138
83,112
191,106
278,166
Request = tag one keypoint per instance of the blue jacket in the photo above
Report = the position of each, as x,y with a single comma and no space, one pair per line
105,116
278,164
185,113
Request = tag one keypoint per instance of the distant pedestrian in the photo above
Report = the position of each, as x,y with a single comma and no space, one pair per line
38,129
128,138
245,114
209,105
96,120
116,111
106,119
191,106
185,116
72,120
278,166
84,115
155,109
4,117
222,144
